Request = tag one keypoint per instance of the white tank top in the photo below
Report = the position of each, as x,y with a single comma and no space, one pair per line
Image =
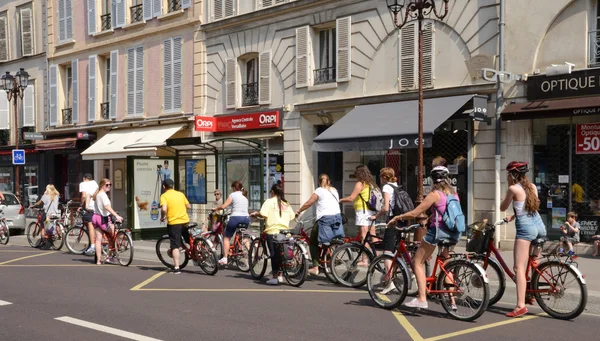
519,206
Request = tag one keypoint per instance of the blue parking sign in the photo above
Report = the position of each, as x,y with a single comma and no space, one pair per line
18,157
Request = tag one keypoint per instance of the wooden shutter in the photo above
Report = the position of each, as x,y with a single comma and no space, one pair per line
264,83
428,54
186,4
75,90
91,16
139,80
343,49
168,75
156,8
29,106
62,28
113,11
266,3
407,67
147,9
177,73
26,32
114,83
302,56
4,113
230,8
3,39
217,9
53,95
68,20
92,93
131,82
121,13
231,83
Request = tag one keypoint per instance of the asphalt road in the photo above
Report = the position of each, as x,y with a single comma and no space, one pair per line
53,295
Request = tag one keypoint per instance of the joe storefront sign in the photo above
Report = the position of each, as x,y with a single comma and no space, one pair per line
588,138
241,122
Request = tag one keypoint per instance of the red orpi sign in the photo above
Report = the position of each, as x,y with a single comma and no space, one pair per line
241,122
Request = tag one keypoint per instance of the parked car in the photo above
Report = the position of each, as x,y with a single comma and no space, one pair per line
13,211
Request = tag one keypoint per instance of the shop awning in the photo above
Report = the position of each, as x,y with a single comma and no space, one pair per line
118,144
66,143
555,108
387,125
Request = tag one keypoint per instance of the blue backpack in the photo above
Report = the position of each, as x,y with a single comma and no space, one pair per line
453,217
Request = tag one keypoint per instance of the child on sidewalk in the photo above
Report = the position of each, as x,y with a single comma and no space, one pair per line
571,232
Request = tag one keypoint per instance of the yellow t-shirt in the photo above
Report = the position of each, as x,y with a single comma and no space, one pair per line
176,210
577,193
275,222
359,202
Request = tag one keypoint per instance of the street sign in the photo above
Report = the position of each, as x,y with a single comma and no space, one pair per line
32,136
18,157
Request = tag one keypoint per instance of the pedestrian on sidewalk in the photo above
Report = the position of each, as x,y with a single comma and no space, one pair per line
102,219
173,207
88,188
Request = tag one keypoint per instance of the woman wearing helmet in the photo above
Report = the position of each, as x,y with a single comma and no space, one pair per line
435,201
524,197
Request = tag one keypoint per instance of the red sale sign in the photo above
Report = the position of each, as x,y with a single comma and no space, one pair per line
588,138
241,122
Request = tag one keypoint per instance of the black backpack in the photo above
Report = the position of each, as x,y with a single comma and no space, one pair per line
402,201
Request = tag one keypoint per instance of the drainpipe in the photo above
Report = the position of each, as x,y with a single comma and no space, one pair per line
499,99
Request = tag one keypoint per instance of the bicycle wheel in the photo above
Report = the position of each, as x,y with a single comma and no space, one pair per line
163,245
4,233
345,265
556,285
471,293
34,234
218,245
77,239
496,279
56,237
295,270
123,248
206,257
326,261
257,259
242,250
387,287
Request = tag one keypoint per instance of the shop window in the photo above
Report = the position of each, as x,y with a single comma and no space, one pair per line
6,179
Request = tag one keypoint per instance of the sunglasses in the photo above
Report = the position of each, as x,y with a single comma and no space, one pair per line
107,185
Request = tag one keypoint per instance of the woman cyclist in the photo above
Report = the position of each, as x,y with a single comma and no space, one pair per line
437,231
278,213
524,197
102,217
50,201
239,215
329,218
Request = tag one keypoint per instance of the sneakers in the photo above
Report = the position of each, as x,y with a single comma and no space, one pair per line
415,303
280,279
90,250
110,260
223,261
273,281
389,288
176,271
314,271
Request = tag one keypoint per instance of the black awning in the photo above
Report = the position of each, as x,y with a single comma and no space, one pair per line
388,125
567,107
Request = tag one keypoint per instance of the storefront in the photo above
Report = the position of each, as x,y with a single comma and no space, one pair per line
565,115
28,173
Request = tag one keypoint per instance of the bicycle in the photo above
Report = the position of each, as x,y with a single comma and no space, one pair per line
240,241
4,230
54,230
117,244
455,285
546,280
77,239
202,252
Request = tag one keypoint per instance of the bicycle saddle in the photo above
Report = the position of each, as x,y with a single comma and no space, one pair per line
447,242
285,232
539,241
54,217
242,226
191,225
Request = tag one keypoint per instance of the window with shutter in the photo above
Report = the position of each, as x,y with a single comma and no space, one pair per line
344,58
168,75
4,113
230,8
53,95
217,9
91,8
114,79
121,13
92,90
267,3
177,73
68,20
131,82
408,49
75,87
139,80
325,65
186,4
156,8
3,38
29,105
428,54
264,85
302,56
147,9
26,32
62,25
231,83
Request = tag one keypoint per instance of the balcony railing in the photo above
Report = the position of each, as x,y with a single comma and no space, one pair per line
67,116
137,13
105,21
594,42
249,94
104,110
173,5
326,75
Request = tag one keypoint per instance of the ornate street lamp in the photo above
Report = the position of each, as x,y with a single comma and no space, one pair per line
404,11
15,88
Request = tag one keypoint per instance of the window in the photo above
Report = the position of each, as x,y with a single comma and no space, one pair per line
408,64
173,5
269,3
222,9
135,81
326,59
3,38
106,18
250,81
594,39
28,107
137,11
105,105
26,29
172,74
65,20
67,111
255,72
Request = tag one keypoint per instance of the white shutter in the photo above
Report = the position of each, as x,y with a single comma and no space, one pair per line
62,27
177,73
156,8
186,4
131,82
408,47
217,9
264,83
26,32
147,9
29,106
75,90
121,13
229,8
4,113
113,15
231,83
428,54
92,93
68,20
343,49
53,95
266,3
302,56
91,16
168,75
3,39
139,80
114,83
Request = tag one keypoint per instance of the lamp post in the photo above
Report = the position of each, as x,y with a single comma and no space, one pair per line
15,88
404,11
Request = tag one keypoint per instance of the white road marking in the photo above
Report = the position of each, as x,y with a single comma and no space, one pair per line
104,329
4,303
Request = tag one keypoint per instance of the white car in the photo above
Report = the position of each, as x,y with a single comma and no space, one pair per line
14,212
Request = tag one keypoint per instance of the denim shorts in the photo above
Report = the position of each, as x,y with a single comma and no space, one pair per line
233,223
436,234
330,226
530,227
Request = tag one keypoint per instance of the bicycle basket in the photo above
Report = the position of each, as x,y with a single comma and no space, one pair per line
478,238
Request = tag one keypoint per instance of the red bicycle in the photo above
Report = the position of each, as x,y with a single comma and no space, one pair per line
201,253
239,247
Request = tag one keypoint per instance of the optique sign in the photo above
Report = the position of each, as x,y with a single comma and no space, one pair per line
576,84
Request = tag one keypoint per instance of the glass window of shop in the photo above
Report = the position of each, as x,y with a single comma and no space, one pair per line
6,179
31,184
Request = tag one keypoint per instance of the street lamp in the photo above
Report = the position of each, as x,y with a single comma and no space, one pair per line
404,11
15,88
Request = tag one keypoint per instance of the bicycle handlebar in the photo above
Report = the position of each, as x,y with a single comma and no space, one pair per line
501,222
408,228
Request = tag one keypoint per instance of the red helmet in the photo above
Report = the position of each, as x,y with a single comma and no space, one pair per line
517,167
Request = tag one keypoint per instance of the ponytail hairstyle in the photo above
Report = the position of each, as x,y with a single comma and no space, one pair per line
100,186
532,202
277,191
324,180
239,187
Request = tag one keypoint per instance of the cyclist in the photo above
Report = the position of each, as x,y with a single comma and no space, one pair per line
174,205
239,215
435,201
87,188
50,202
102,220
329,218
524,197
278,213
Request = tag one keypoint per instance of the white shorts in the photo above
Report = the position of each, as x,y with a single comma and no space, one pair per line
364,219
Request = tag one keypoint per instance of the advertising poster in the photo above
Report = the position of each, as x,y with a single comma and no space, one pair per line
237,170
147,188
195,181
559,216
